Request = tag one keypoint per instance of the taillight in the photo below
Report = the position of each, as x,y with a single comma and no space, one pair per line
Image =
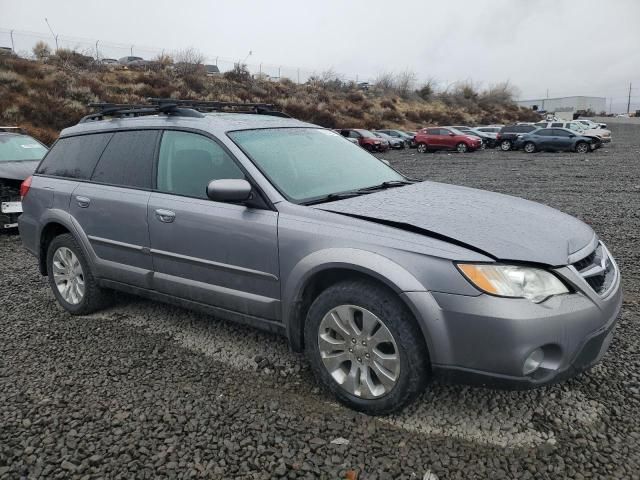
498,136
25,186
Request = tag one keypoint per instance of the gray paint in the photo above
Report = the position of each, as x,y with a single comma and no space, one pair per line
17,170
506,227
253,264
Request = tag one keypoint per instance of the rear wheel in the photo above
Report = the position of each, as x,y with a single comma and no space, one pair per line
70,277
505,145
462,147
529,147
582,147
366,348
422,147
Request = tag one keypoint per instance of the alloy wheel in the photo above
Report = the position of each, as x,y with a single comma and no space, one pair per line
529,147
462,148
422,148
582,148
359,351
505,145
68,275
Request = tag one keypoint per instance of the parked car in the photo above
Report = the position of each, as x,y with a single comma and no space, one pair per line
591,124
384,282
109,61
488,129
488,139
508,134
132,61
446,138
601,135
366,139
555,139
395,143
406,137
19,157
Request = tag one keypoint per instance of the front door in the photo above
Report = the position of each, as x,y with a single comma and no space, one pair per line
220,254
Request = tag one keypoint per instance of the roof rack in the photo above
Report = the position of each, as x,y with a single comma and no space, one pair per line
182,108
230,107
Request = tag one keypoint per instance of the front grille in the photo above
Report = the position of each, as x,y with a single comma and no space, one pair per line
597,269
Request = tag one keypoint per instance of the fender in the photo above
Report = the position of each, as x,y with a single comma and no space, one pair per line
371,264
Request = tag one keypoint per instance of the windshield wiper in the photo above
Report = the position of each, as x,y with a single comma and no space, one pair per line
334,196
385,185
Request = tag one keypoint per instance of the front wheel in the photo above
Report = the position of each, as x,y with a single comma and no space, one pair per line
529,147
582,147
366,347
462,147
505,145
422,147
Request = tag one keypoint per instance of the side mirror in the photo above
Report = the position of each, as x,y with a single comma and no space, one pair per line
229,190
451,134
386,162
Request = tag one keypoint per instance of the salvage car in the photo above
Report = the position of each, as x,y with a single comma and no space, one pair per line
383,281
19,157
366,139
599,135
446,138
394,143
556,140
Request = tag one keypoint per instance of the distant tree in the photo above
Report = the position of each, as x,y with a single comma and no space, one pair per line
239,73
385,81
427,90
405,82
188,61
41,50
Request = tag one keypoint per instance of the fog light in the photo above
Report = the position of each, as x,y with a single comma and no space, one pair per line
533,361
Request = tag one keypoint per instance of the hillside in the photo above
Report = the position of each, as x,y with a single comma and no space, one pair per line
47,95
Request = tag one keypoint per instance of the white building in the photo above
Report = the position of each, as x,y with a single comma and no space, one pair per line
566,104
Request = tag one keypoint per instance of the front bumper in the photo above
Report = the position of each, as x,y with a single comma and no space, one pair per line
484,340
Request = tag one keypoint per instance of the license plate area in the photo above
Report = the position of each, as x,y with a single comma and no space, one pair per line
11,207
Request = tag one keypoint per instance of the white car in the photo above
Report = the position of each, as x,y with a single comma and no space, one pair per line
591,124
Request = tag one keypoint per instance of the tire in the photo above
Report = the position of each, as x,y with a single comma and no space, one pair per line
422,147
368,147
505,145
582,147
529,147
366,300
93,297
462,147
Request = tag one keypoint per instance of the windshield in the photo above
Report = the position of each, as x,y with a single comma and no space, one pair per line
20,147
456,131
310,163
577,127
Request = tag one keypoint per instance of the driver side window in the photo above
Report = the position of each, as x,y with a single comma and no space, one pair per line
188,162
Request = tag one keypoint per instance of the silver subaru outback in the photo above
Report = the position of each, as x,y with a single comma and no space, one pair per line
383,281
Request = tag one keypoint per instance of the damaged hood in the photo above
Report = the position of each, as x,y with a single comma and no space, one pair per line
502,226
18,170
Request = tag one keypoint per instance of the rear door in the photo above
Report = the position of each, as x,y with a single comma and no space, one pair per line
220,254
112,208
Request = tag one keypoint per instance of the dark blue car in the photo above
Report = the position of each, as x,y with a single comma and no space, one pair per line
554,139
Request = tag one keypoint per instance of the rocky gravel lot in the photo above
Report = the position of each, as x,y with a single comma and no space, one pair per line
143,390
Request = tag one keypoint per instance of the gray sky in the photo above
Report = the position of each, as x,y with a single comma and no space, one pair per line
570,47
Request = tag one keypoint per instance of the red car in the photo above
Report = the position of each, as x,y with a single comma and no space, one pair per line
366,139
440,138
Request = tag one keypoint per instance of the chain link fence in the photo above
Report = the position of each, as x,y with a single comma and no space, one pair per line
22,43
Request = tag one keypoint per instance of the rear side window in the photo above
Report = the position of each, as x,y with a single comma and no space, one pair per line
128,159
75,157
545,132
528,128
433,131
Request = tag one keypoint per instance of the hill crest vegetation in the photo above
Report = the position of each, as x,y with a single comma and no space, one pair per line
51,92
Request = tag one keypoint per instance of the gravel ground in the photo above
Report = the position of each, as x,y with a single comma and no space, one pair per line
143,390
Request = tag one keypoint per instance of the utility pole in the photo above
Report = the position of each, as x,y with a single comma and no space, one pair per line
55,37
132,50
13,47
629,100
97,53
298,76
610,102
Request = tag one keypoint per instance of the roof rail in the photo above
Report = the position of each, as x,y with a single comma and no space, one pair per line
181,108
230,107
135,110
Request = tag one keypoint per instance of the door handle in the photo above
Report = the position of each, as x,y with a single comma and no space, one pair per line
165,216
83,202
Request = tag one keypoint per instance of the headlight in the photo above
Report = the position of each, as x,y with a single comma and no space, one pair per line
516,281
